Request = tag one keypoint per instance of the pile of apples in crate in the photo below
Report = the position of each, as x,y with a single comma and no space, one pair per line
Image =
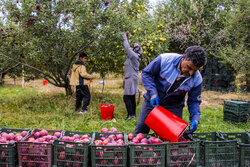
11,137
77,138
8,138
110,140
44,137
76,142
34,150
141,139
143,144
109,144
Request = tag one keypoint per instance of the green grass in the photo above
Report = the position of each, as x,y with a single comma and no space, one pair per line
27,108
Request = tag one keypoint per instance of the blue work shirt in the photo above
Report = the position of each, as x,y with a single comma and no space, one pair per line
158,77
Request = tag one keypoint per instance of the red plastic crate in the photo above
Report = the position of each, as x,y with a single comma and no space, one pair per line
35,154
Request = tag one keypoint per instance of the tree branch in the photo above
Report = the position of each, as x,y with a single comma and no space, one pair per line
10,68
45,75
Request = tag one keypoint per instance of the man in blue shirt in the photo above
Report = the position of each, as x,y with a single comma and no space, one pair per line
167,79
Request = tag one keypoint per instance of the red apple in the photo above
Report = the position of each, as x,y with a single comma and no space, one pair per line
85,140
3,134
71,138
24,133
144,140
36,135
3,140
102,138
41,140
65,138
151,140
107,3
24,158
12,136
84,136
24,150
119,136
157,141
37,6
31,139
57,134
104,130
76,136
112,137
43,165
135,140
62,155
140,136
114,130
7,136
43,132
97,142
18,138
106,141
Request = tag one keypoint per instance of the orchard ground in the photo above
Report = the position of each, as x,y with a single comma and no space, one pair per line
47,107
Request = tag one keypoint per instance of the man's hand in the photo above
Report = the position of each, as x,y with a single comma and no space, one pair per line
154,101
193,127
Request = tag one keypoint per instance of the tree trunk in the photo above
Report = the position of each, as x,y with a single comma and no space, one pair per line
2,78
248,82
68,90
103,85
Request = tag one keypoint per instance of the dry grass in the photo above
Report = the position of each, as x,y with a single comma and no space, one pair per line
114,85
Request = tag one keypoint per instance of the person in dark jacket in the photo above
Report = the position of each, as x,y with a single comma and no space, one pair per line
80,78
131,76
167,79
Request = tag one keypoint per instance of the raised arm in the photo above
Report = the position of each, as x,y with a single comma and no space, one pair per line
126,45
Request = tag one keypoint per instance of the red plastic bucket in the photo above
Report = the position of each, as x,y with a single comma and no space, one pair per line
107,111
165,124
44,82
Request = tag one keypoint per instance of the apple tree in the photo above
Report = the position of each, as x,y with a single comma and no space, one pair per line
194,23
235,47
48,35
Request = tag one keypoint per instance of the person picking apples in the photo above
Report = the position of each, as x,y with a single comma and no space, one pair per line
80,78
131,76
167,79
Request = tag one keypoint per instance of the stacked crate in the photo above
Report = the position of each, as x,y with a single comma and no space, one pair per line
108,155
236,111
32,153
215,150
217,76
8,151
243,147
147,155
73,153
183,154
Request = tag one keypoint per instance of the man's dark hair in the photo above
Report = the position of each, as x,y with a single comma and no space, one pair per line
197,55
82,54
